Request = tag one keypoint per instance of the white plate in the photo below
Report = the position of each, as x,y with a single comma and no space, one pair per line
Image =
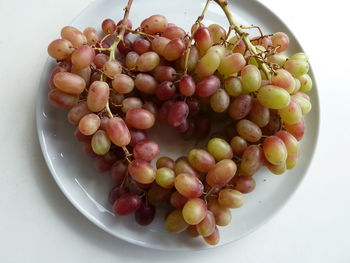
88,190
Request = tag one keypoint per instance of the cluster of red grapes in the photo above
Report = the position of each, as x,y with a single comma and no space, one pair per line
117,86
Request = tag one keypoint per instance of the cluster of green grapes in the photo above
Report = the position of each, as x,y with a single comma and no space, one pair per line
117,86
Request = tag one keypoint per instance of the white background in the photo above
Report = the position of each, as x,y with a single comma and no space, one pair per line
38,224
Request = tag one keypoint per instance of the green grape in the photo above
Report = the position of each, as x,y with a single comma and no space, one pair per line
100,143
219,149
304,103
208,64
230,198
275,150
175,222
219,50
251,78
233,86
306,83
297,67
217,33
194,211
238,145
278,59
165,177
221,173
273,97
220,101
299,56
292,113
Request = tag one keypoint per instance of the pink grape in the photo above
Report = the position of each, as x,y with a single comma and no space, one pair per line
203,39
118,132
207,86
137,136
89,124
207,226
201,160
108,26
217,33
165,161
174,32
154,24
112,68
275,150
147,61
214,238
244,184
119,171
222,215
283,79
60,49
188,185
131,103
141,46
177,113
187,86
221,173
126,204
251,160
240,106
142,171
164,73
83,57
174,49
280,40
74,35
123,84
297,129
146,83
69,83
91,35
146,150
140,119
98,95
78,112
159,44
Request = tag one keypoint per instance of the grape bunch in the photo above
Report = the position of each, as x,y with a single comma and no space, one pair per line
118,83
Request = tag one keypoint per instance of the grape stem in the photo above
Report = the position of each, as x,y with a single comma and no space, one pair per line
224,6
209,193
120,36
137,31
188,46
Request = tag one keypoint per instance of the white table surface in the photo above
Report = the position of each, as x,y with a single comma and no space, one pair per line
38,224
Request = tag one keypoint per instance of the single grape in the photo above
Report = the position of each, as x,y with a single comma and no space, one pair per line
165,161
296,67
154,24
217,33
188,185
81,137
236,45
203,39
208,86
146,150
98,95
178,113
174,32
233,86
221,173
275,150
131,103
303,102
252,159
164,111
220,101
174,49
69,83
219,149
214,238
108,26
276,169
251,78
297,129
60,49
183,166
131,59
220,50
157,195
201,160
194,211
193,106
122,83
141,45
142,171
192,231
147,61
112,68
238,145
280,40
118,132
175,222
248,130
208,64
146,83
83,56
273,97
244,184
240,106
119,171
232,64
283,79
91,36
100,142
89,124
165,177
164,73
144,215
230,198
74,35
187,86
259,114
126,204
278,59
292,113
273,125
140,119
166,90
